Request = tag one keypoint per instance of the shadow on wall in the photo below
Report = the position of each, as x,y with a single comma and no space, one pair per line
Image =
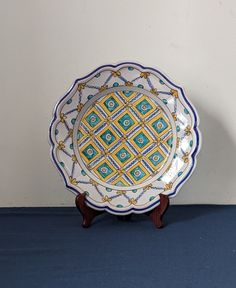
213,181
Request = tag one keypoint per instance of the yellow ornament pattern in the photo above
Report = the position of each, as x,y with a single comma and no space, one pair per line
131,138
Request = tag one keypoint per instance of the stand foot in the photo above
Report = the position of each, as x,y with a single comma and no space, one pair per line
157,213
88,213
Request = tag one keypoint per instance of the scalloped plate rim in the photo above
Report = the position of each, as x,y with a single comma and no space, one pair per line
193,155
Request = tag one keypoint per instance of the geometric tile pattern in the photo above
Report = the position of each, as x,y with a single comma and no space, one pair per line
124,138
127,138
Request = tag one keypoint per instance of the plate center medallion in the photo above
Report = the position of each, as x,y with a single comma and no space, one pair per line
124,138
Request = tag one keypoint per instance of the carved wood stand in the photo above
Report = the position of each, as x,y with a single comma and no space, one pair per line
89,213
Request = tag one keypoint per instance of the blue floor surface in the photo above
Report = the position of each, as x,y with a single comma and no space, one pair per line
46,247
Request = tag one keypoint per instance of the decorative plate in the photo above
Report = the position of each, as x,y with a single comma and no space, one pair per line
124,134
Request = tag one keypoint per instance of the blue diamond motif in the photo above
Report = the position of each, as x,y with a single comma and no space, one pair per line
93,119
159,125
170,142
141,140
79,135
108,137
126,122
104,170
120,183
123,155
90,152
137,173
111,104
156,158
128,93
144,107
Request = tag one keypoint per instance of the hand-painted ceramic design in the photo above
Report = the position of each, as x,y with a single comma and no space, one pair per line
124,134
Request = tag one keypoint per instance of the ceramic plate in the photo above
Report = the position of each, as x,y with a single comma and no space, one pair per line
124,134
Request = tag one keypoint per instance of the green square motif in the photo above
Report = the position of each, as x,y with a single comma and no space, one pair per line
170,142
156,158
79,135
104,170
144,107
126,122
90,152
141,140
93,119
108,137
128,93
137,173
120,183
159,125
123,155
111,104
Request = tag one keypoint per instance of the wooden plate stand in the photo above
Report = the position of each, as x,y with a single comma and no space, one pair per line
89,213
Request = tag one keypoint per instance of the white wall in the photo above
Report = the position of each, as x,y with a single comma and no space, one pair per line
46,44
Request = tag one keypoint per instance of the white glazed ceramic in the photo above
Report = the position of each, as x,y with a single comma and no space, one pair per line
124,134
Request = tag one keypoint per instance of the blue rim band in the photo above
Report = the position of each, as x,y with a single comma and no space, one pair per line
193,155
